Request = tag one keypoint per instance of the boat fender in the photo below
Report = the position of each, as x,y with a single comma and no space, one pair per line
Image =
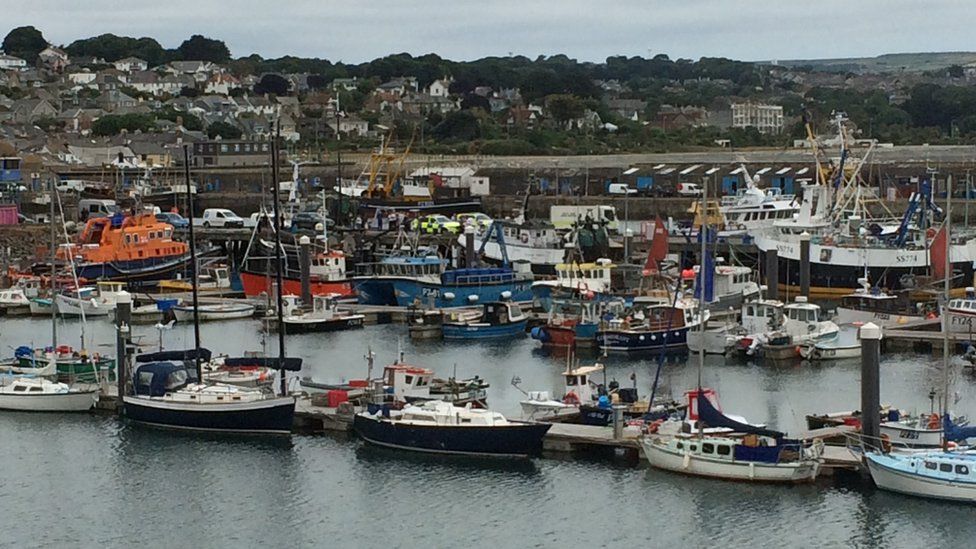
934,421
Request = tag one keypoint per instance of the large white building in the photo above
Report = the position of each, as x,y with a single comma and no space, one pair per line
9,62
765,118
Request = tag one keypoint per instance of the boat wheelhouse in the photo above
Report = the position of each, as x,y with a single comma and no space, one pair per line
535,242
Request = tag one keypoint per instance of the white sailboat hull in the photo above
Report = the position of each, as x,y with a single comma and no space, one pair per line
885,320
80,401
888,478
690,464
207,312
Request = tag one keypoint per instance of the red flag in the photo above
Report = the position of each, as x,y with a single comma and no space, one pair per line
659,248
937,255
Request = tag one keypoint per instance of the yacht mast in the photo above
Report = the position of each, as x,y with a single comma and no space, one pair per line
276,198
54,252
947,286
703,234
193,266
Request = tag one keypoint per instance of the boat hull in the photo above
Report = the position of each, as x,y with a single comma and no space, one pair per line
888,477
910,437
270,416
185,314
315,326
475,331
81,401
446,206
409,292
513,440
259,284
787,473
137,272
75,370
621,341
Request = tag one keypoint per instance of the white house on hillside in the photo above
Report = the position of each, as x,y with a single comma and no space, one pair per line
131,64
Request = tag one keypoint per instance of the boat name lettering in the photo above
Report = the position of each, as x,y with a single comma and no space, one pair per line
908,434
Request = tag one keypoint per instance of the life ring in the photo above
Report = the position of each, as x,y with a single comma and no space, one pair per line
886,444
930,233
653,427
571,398
931,316
934,421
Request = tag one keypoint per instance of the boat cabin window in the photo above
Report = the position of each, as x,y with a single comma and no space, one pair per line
931,465
945,467
571,381
408,380
750,311
36,389
176,379
723,450
679,445
693,447
514,311
962,470
708,448
20,389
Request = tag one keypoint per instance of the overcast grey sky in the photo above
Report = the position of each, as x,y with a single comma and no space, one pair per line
355,31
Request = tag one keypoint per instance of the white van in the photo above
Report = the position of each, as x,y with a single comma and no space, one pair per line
689,189
221,217
563,217
96,207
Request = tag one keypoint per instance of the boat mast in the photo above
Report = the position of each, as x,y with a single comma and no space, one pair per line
54,251
703,233
278,263
947,286
193,265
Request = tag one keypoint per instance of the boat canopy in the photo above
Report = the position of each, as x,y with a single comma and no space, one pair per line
957,433
292,364
714,418
185,355
155,379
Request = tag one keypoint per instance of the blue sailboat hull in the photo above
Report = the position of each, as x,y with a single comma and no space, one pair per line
516,439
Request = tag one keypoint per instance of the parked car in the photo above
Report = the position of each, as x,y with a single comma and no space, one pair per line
481,220
310,221
174,219
435,223
221,217
689,189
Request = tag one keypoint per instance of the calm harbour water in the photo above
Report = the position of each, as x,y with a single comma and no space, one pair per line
91,481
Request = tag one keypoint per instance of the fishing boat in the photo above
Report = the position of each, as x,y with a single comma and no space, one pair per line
135,249
584,400
589,280
753,208
761,455
533,242
961,313
405,384
214,311
571,323
37,394
167,393
213,278
872,304
651,328
422,281
72,365
439,427
14,297
844,345
90,301
327,271
243,371
325,316
496,320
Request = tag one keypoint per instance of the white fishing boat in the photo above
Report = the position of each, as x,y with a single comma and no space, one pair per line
580,388
753,208
325,316
533,242
36,394
961,313
13,297
90,301
41,306
842,346
872,304
214,311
